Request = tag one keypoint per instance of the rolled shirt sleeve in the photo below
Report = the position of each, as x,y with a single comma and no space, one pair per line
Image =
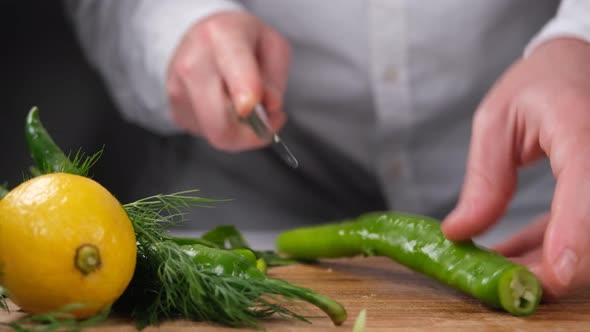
131,43
572,20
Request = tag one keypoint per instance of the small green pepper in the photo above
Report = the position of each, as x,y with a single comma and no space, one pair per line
47,155
229,237
226,262
418,243
246,253
251,256
261,265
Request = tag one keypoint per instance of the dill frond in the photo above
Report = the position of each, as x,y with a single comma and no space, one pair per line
59,320
33,172
4,190
167,284
3,297
82,164
152,216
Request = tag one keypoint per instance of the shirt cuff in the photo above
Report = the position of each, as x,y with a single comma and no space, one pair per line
572,20
158,27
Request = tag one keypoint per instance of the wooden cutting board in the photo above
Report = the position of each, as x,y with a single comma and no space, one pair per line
395,299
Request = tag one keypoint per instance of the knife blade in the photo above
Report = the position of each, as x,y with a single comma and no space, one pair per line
259,122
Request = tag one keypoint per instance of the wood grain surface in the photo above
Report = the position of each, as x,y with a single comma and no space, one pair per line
395,299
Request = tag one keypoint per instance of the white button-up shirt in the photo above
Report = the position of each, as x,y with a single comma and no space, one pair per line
391,84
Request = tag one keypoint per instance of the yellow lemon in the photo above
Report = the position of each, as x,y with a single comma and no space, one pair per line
64,239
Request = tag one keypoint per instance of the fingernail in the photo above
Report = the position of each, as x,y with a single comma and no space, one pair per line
565,266
245,103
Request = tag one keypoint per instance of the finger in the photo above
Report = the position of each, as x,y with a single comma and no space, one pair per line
274,56
533,257
189,66
490,177
181,107
220,123
203,98
214,113
527,239
210,110
236,60
273,101
566,263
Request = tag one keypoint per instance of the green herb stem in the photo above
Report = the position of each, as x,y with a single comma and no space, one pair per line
169,284
3,190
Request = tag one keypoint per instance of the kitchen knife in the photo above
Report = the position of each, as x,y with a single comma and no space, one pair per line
259,122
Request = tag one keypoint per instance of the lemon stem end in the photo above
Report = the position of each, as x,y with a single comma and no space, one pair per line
87,259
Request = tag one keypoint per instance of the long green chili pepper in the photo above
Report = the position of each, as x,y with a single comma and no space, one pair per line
229,237
46,154
251,257
418,243
225,262
262,265
246,253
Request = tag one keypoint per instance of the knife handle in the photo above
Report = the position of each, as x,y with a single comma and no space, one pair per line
259,122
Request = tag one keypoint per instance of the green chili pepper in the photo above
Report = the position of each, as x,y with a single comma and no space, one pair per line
226,262
47,155
182,241
418,243
246,253
261,265
229,237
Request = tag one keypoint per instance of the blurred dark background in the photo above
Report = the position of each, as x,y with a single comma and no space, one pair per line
42,65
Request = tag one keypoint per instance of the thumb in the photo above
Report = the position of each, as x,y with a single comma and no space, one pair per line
566,263
490,177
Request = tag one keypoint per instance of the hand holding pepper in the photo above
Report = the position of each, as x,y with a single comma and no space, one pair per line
540,107
223,67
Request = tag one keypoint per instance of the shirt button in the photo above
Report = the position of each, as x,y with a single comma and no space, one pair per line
390,74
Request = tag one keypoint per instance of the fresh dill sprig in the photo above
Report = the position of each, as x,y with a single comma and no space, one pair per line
80,165
4,190
153,215
3,297
83,163
59,320
48,156
33,172
167,284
